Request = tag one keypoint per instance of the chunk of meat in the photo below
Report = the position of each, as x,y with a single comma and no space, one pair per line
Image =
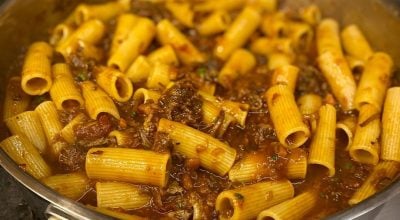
181,103
72,158
95,129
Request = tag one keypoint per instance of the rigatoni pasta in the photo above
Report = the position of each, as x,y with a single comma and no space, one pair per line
203,110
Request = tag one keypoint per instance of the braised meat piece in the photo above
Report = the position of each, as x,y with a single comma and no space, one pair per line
181,103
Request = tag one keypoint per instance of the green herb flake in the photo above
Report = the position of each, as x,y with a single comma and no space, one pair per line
239,196
275,157
201,71
82,76
133,114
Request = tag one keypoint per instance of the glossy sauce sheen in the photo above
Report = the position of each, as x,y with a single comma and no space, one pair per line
189,183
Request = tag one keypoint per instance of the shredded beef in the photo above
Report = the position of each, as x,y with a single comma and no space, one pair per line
95,129
72,158
181,103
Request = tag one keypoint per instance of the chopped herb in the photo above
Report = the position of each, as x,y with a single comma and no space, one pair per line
275,157
239,196
201,71
82,76
133,114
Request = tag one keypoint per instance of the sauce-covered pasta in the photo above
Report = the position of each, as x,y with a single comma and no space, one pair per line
205,109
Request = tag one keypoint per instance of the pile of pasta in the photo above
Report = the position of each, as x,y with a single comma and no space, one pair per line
308,122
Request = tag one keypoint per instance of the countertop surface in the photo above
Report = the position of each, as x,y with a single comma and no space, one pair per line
17,202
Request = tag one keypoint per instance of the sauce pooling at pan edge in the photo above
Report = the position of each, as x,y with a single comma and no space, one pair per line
205,110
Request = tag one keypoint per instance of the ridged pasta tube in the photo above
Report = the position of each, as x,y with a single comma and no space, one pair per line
322,149
115,84
248,201
36,71
137,41
285,75
374,81
290,128
391,126
120,195
384,170
187,53
295,208
28,124
365,147
70,185
97,101
213,154
215,23
20,149
64,93
355,43
128,165
238,33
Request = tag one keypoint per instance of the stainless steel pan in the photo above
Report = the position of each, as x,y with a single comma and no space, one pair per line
23,21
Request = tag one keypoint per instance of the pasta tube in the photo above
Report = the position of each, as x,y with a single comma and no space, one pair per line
168,34
310,14
165,54
356,65
296,167
143,95
52,126
159,76
120,195
210,112
28,124
181,11
36,70
97,101
274,25
20,149
68,131
246,202
285,75
384,170
213,154
309,103
295,208
90,32
355,44
16,100
139,70
322,149
64,93
365,147
215,23
115,84
103,12
137,41
390,126
301,34
128,165
339,77
240,63
290,128
345,130
70,185
238,33
267,46
276,60
328,39
374,81
125,23
60,33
